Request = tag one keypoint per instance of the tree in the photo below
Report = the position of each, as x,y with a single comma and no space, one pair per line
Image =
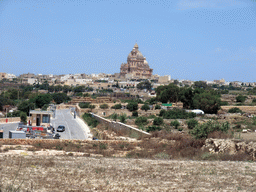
60,97
175,124
241,98
169,93
135,113
141,121
122,118
145,85
43,99
207,102
132,106
145,107
104,106
200,84
25,106
235,110
158,121
186,97
117,106
66,89
23,117
157,107
192,123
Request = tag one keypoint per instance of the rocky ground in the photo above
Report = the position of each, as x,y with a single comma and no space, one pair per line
67,173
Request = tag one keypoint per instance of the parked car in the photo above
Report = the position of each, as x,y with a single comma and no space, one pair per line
61,128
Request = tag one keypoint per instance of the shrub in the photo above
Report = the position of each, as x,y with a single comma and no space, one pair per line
132,106
192,123
202,131
114,116
104,106
84,105
23,117
158,121
141,121
145,107
241,98
122,118
90,120
91,106
162,113
178,114
135,113
157,107
117,106
153,128
175,124
223,103
235,110
254,101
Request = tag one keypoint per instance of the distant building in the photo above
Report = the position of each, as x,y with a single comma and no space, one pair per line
136,66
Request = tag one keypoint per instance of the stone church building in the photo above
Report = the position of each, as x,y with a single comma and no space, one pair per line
136,66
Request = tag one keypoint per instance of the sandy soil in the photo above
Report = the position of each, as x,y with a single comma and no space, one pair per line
68,173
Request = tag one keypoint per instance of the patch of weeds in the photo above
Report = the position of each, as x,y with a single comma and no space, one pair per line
103,146
94,145
162,155
31,149
58,147
70,154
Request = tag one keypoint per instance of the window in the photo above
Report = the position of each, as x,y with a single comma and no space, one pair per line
46,119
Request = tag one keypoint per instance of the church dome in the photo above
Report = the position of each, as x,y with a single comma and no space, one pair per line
139,55
145,62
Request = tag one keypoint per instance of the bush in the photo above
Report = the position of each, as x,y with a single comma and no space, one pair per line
241,98
90,120
84,105
235,110
158,121
135,113
114,116
178,114
23,117
203,130
254,101
157,107
153,128
145,107
175,124
223,103
192,123
122,118
141,121
104,106
162,113
132,106
117,106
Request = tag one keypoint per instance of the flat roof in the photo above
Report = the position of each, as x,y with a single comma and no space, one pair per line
41,112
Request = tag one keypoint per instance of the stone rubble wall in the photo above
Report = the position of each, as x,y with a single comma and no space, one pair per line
230,146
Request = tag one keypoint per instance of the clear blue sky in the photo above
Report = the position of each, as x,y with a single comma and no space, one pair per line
187,39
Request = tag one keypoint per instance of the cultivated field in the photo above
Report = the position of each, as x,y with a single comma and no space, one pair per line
67,173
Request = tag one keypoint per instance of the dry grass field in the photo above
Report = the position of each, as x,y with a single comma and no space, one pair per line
67,173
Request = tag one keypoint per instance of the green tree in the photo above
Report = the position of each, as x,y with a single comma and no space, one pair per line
241,98
141,121
122,118
144,85
145,107
135,113
175,124
157,107
23,117
235,110
66,89
207,102
25,106
158,121
43,99
104,106
169,93
132,106
192,123
117,106
60,97
200,84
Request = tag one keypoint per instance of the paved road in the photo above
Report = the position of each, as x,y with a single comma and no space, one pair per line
75,129
8,127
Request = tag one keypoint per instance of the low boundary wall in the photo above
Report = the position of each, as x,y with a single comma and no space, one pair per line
119,127
10,119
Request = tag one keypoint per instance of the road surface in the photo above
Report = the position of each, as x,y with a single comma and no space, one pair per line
74,128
